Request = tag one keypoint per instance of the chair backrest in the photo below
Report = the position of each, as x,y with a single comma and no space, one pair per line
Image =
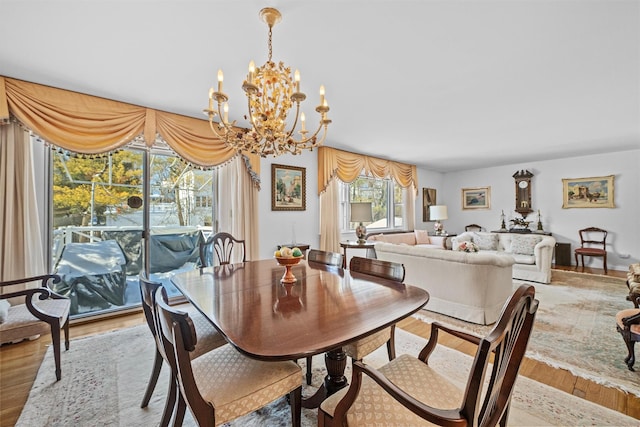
507,343
593,236
178,335
223,245
324,257
147,295
473,227
378,268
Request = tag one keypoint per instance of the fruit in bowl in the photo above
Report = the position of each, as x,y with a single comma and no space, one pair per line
286,252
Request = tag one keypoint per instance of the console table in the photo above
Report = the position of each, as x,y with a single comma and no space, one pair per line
353,245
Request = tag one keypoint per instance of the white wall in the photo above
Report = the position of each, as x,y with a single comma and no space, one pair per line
621,222
277,227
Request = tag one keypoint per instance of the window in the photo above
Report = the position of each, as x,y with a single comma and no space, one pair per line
97,217
387,201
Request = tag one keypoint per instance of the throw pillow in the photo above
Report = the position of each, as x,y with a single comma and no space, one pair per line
486,241
4,310
524,245
422,237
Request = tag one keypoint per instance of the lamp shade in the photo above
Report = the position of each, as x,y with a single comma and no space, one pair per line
361,212
438,212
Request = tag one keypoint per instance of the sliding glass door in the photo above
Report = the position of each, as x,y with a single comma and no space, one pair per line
98,218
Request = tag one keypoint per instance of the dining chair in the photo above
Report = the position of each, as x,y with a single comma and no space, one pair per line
333,259
387,270
628,324
222,384
31,312
410,392
473,227
325,257
209,338
223,245
593,242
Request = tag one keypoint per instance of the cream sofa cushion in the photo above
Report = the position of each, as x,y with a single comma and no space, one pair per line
524,245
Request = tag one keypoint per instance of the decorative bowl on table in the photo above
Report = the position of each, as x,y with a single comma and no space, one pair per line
288,258
289,262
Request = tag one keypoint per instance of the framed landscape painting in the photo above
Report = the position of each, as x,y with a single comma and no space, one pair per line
594,192
476,198
288,188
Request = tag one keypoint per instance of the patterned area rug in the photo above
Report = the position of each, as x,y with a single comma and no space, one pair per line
104,378
575,328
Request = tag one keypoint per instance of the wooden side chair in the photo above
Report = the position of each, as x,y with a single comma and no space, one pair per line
327,258
209,339
593,242
387,270
473,227
223,384
411,392
223,246
35,311
628,324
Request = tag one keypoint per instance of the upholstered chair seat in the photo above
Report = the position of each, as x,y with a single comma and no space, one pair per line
375,407
208,336
364,346
21,324
26,312
236,385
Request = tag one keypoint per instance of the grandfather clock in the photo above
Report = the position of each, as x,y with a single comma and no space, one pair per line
523,192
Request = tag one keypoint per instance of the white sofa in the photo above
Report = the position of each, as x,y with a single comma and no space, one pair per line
533,253
468,286
412,238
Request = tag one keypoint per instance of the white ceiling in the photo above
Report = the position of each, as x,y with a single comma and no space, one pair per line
444,84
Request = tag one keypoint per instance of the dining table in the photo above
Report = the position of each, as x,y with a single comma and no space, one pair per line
319,311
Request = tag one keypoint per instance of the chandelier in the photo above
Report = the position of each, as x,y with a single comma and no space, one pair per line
271,93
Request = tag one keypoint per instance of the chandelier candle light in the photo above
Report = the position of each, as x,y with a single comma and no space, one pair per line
361,212
438,212
271,93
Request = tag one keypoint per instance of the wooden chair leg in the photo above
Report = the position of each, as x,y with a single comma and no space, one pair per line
153,380
181,408
630,360
391,344
309,374
295,400
605,263
170,403
55,340
66,334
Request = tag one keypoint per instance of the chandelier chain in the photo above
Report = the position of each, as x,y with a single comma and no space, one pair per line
270,48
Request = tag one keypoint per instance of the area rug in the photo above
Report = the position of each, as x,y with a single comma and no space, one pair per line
575,328
104,378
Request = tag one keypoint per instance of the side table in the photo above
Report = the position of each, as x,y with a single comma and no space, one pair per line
302,246
353,245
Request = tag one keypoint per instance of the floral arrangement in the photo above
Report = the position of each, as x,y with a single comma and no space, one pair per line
468,247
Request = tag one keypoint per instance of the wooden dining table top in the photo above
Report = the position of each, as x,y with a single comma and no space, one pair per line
324,309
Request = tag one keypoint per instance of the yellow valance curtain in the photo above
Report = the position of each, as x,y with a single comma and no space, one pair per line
92,125
348,166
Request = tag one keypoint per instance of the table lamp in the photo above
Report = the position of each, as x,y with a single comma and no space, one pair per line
437,213
361,212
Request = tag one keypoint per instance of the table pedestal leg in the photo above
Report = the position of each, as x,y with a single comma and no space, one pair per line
336,362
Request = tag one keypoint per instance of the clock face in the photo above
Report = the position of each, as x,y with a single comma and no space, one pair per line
523,184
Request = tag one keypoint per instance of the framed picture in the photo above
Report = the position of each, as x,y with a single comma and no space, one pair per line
594,192
428,199
476,198
288,188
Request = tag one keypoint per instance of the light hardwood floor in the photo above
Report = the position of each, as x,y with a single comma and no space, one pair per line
19,365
